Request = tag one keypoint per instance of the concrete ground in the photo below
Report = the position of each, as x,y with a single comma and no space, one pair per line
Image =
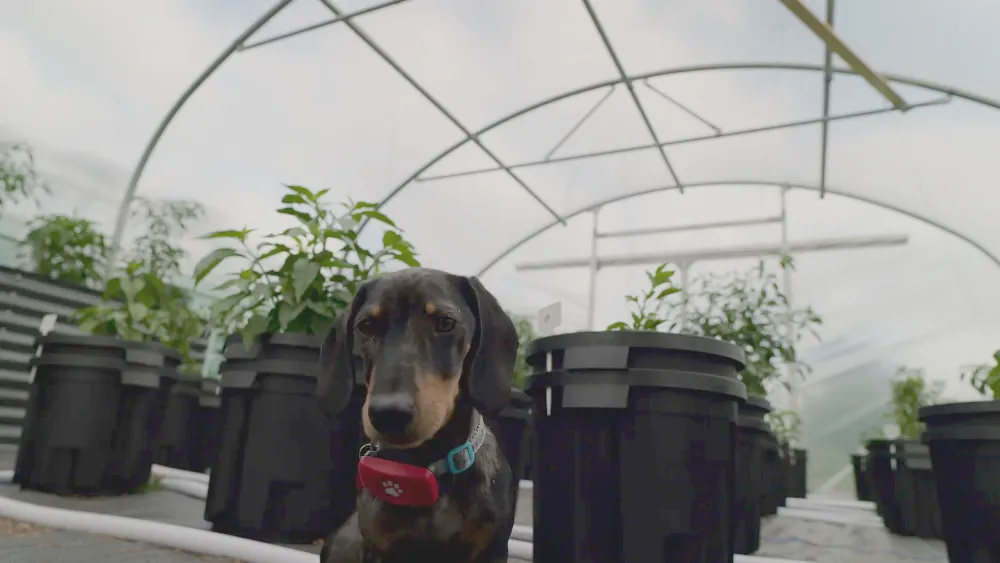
800,534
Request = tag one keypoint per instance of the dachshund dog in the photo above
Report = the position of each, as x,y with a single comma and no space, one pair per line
436,352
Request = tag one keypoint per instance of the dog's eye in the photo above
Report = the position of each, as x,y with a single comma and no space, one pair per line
444,324
366,327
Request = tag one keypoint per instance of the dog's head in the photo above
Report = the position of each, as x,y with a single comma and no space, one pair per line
425,339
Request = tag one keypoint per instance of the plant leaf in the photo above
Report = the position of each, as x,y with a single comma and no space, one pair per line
211,261
304,272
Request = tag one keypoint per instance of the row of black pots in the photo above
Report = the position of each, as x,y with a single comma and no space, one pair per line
619,421
899,476
646,448
190,435
95,409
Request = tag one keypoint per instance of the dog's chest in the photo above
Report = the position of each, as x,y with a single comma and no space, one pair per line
448,529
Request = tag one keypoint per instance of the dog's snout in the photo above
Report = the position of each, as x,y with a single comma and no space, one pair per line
391,414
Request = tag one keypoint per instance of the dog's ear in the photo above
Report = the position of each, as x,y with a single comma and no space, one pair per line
336,361
489,367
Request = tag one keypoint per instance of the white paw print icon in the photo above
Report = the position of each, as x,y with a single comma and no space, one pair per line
392,489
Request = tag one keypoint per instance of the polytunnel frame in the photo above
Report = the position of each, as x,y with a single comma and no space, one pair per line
823,31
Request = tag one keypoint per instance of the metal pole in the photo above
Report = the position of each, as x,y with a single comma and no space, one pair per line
592,295
682,322
791,369
827,83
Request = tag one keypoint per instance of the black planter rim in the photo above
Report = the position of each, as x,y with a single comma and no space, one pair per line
952,409
276,367
752,423
759,402
961,433
642,339
662,378
100,341
297,339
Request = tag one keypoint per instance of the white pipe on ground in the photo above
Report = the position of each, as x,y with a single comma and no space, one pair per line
156,533
169,535
164,471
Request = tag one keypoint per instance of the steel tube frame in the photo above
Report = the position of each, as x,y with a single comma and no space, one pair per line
682,107
624,79
140,167
296,32
694,139
701,255
689,227
440,107
827,83
747,183
582,120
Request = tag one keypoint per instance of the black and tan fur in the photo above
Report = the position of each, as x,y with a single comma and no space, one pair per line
442,342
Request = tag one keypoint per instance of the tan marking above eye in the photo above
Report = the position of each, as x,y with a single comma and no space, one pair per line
430,308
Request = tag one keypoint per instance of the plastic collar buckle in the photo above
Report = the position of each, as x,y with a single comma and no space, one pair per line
466,455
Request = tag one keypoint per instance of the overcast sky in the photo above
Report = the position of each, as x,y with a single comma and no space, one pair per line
87,82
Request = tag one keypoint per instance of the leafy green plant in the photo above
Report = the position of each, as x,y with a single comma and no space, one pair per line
66,249
750,310
141,302
786,426
985,378
910,392
299,279
525,334
137,305
648,306
162,223
18,178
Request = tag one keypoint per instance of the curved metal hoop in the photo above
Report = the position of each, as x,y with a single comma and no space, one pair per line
910,81
747,183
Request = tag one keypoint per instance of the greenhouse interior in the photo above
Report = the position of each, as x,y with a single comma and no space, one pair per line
746,250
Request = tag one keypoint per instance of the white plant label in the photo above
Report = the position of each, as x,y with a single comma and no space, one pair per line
549,318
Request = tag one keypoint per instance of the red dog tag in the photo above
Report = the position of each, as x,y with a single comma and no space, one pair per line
397,483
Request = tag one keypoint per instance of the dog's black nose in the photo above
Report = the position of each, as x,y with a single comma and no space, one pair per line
391,414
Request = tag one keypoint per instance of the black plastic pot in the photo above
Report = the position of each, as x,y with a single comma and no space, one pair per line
862,490
883,473
772,478
285,472
512,427
210,421
634,434
180,440
94,412
751,442
916,496
797,483
964,441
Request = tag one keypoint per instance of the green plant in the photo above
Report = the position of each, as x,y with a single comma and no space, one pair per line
141,302
786,427
751,311
648,306
985,378
295,281
525,334
66,249
162,222
137,305
910,392
18,178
